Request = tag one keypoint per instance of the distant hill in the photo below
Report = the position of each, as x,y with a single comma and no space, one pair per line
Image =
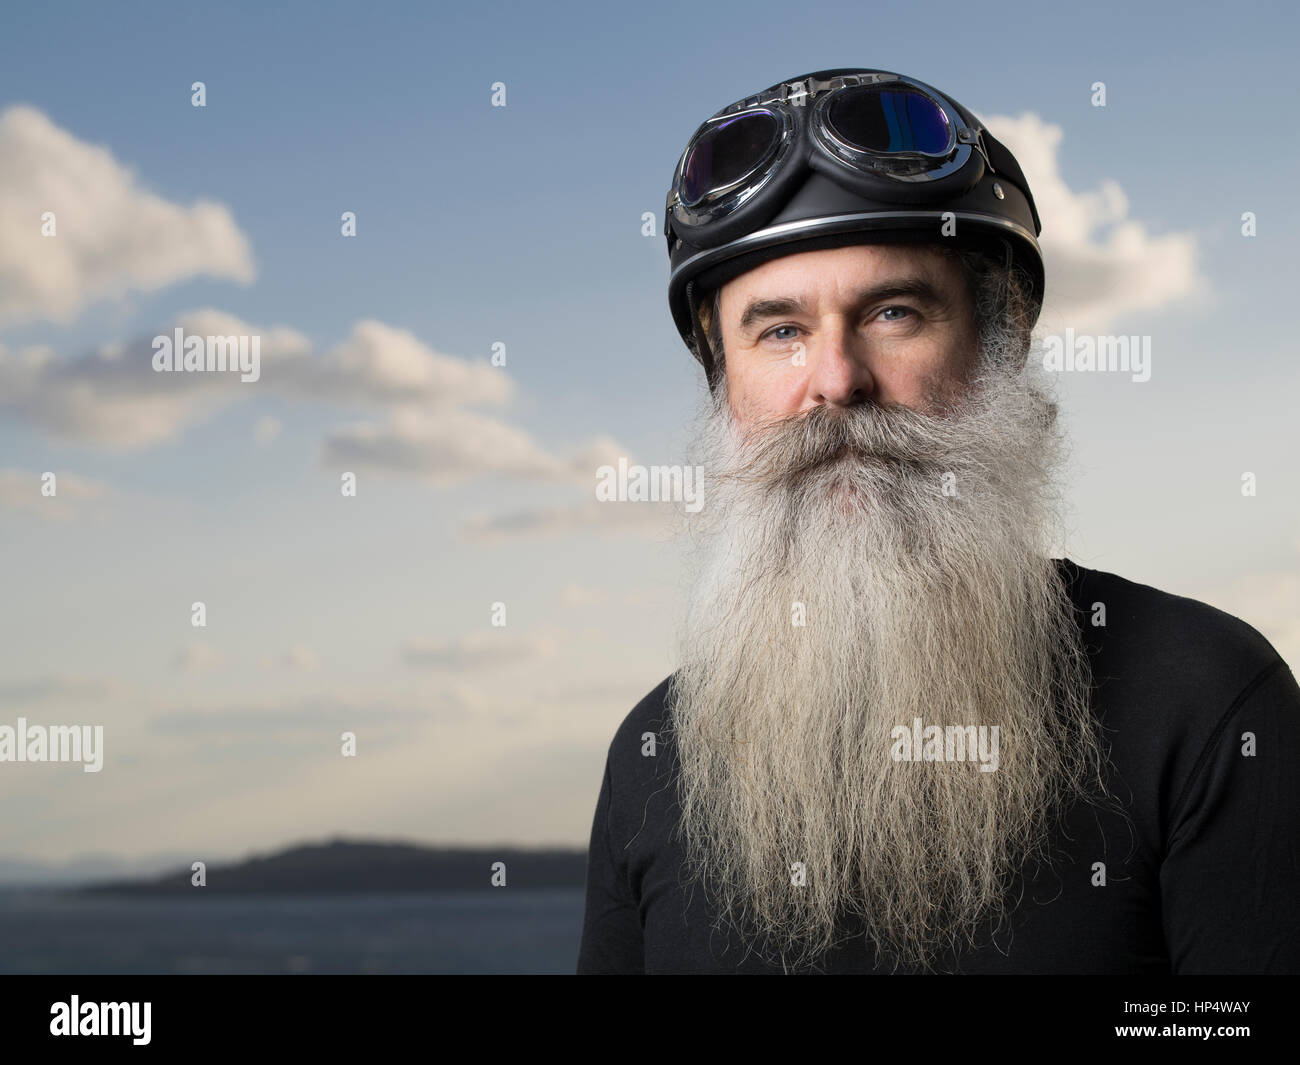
348,866
20,872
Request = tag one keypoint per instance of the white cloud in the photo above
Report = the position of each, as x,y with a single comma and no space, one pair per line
655,520
382,365
444,447
306,715
266,430
68,689
602,451
577,595
22,488
112,234
113,397
1101,264
300,659
475,651
196,658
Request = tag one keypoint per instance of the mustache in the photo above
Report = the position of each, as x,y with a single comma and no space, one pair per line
781,449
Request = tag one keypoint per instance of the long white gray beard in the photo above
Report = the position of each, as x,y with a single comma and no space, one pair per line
927,591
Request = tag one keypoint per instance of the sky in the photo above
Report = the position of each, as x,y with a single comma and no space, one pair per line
520,229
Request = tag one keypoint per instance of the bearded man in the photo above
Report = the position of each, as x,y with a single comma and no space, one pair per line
903,737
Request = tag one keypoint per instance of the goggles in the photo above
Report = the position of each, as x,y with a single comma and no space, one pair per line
885,136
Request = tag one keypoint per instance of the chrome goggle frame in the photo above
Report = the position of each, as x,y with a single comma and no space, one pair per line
871,171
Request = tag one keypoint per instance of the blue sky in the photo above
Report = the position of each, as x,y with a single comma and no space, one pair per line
522,225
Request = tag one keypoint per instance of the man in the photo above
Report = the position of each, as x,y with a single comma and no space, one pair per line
903,738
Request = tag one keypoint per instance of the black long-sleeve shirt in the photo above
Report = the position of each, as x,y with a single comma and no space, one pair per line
1203,721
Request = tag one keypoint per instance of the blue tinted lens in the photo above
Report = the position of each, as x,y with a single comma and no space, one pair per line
727,152
878,119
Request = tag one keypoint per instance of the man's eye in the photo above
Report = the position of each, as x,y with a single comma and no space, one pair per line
776,329
906,310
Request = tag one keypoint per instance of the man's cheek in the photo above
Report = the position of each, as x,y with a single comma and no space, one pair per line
744,407
941,391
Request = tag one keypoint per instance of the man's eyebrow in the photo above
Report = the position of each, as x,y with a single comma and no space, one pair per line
917,288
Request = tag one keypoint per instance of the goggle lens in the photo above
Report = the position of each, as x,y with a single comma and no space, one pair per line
728,152
883,120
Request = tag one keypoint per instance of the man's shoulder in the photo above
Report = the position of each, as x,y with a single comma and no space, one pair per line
644,724
640,765
1174,639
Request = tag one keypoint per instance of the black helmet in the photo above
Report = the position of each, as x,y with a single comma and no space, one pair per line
838,157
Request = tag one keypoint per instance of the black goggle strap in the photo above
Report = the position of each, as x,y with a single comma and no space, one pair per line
1004,165
700,344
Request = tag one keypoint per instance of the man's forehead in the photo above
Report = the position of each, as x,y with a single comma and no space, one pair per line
859,265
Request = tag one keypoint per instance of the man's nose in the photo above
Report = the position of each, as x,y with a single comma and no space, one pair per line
838,372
